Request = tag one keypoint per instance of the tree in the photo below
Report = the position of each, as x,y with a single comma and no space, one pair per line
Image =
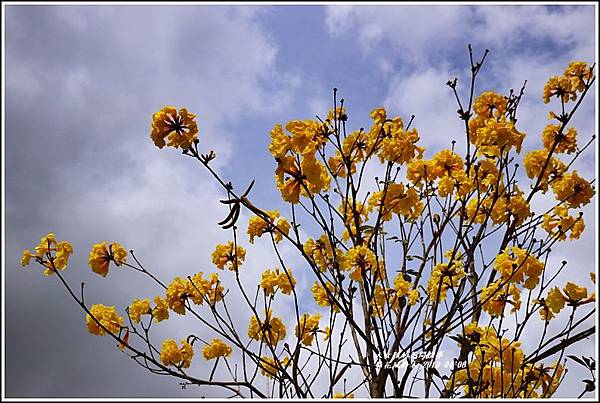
436,254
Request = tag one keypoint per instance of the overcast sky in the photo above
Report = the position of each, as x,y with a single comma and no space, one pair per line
82,83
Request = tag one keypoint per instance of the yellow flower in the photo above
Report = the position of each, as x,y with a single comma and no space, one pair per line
560,222
517,265
327,333
177,293
338,166
447,163
575,292
443,277
271,279
320,295
171,354
257,226
281,143
270,368
317,178
560,87
271,330
559,141
307,136
413,297
178,129
289,179
100,257
27,255
217,348
579,73
496,295
459,182
138,308
490,104
358,146
339,114
555,300
545,311
378,115
399,146
63,251
382,299
510,204
107,316
498,136
401,285
360,259
397,200
420,171
324,255
573,189
161,311
534,164
50,254
225,255
309,326
200,289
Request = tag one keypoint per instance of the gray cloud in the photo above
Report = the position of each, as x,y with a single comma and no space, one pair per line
81,86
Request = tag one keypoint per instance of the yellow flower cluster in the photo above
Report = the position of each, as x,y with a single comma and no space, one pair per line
448,167
404,289
558,140
497,369
323,254
573,189
571,293
308,327
179,129
257,226
490,105
399,145
217,348
576,78
271,330
138,308
499,293
397,199
360,260
299,173
443,277
537,164
354,214
510,204
320,295
228,255
270,368
490,130
101,256
197,288
172,354
560,222
50,254
161,310
517,265
108,318
271,279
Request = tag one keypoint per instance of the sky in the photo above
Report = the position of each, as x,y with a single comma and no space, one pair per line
82,83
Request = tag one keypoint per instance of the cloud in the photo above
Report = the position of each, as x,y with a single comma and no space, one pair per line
82,85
